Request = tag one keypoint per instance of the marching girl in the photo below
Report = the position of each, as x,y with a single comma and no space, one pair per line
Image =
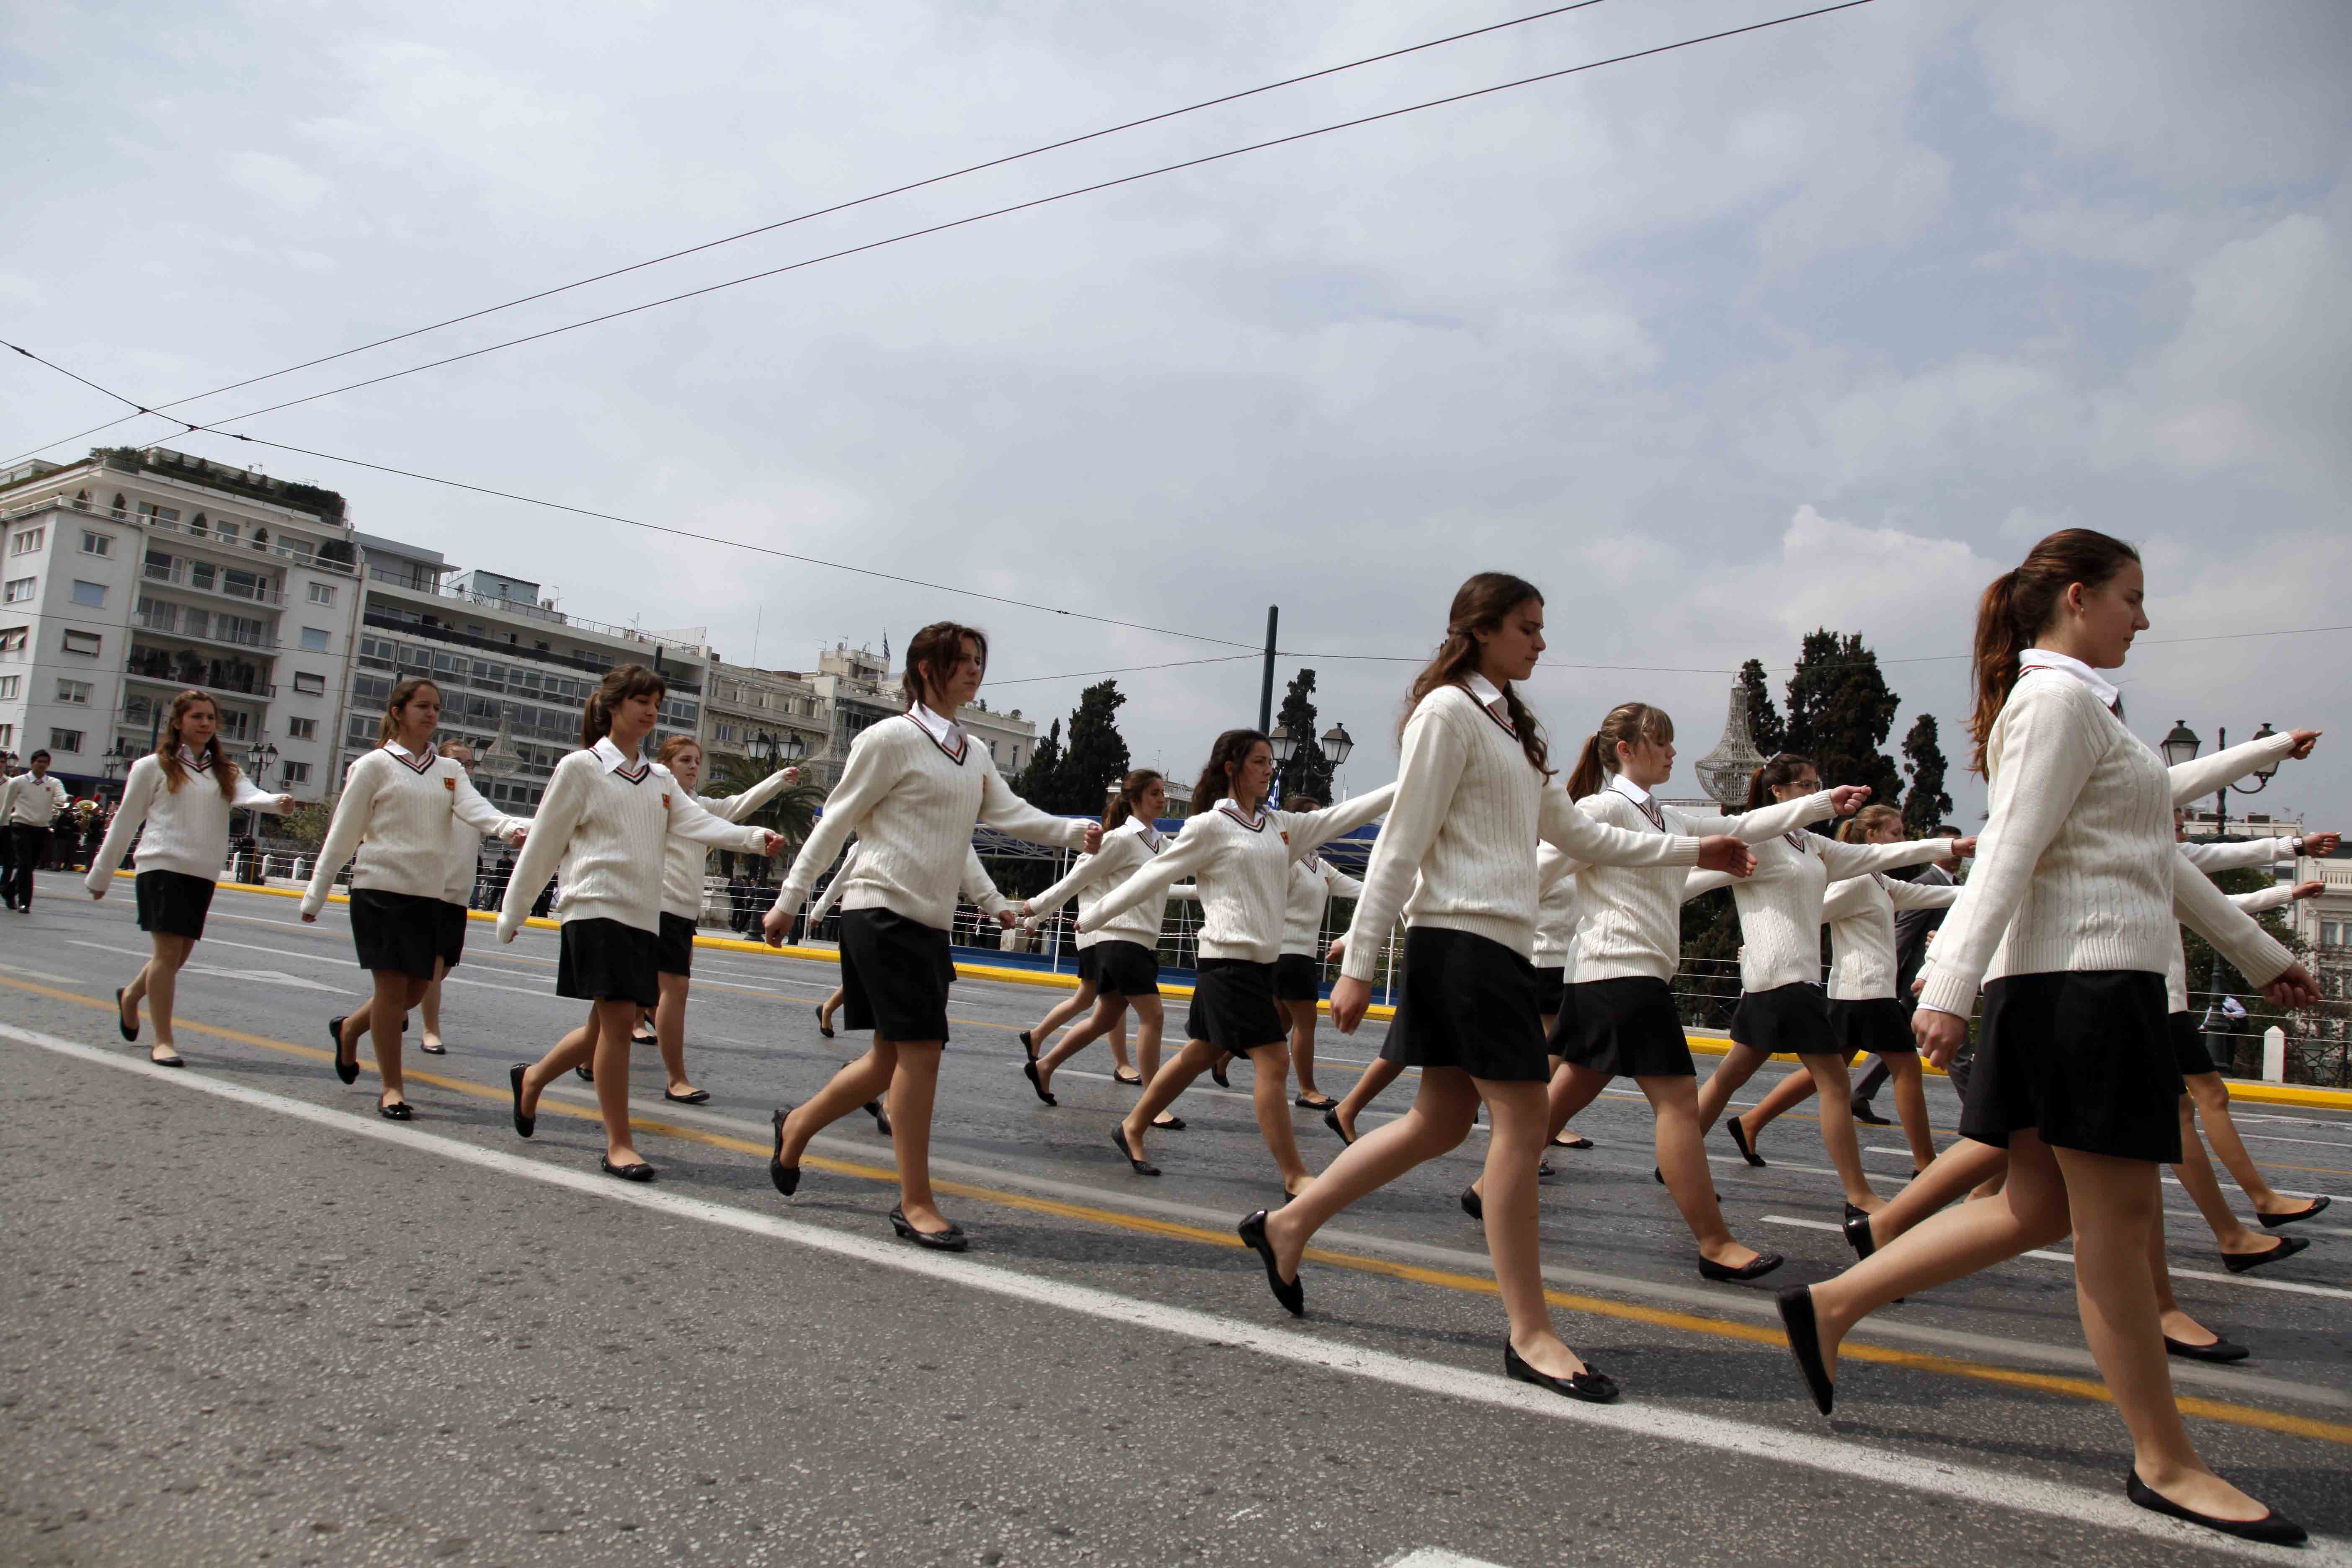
1298,972
608,816
1118,964
1784,1009
1456,859
456,898
1620,1018
1238,852
913,789
1866,1017
403,807
183,794
2066,925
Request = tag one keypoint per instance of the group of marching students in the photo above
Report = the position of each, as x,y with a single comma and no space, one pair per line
1542,933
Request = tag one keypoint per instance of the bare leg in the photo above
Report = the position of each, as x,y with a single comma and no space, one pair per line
1911,1107
1682,1160
1149,1019
1439,1118
1301,1016
431,1039
387,1015
1737,1066
1120,1061
1521,1115
1837,1128
2211,1093
2197,1179
1174,1078
1376,1078
1786,1096
855,1085
826,1008
1270,1097
2172,1317
669,1031
1061,1013
615,1021
1949,1178
1109,1007
913,1089
577,1047
158,983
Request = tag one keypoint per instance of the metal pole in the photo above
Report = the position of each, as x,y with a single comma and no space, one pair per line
1265,682
2214,984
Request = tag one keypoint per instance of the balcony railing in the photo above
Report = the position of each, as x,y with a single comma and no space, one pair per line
170,626
298,554
208,678
181,573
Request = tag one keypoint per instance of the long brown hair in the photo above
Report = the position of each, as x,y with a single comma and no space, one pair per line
931,654
1857,828
1781,768
1629,723
167,747
1130,791
1231,749
402,693
620,683
2016,608
1481,604
673,746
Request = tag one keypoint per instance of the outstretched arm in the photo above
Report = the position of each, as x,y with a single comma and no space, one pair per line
2201,776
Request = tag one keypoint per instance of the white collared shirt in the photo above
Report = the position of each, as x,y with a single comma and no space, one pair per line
1153,839
2067,664
193,758
943,730
397,750
1485,690
1226,803
611,756
1641,798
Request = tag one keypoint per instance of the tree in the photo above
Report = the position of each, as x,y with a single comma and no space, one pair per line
1036,783
1840,713
2260,1014
1764,726
1095,758
1310,771
792,815
1925,805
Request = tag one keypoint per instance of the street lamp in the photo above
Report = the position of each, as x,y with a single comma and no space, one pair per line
2178,747
795,746
1338,743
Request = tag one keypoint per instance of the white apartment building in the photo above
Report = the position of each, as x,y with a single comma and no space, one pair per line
855,687
748,712
137,574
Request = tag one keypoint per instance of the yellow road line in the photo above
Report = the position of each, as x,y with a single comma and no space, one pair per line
1596,1306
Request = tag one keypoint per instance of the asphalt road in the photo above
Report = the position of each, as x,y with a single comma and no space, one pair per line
249,1320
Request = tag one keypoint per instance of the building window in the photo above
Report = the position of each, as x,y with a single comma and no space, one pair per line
82,643
76,692
65,740
19,589
10,684
309,685
169,516
237,724
296,772
26,540
314,639
96,544
301,729
225,528
322,592
138,709
7,737
12,639
91,593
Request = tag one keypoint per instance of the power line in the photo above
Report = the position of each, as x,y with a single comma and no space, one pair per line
828,211
1123,669
1034,203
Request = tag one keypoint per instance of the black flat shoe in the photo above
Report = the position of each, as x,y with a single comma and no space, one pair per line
1571,1141
131,1031
786,1177
1289,1292
1592,1385
1858,1236
2239,1262
348,1071
640,1172
1028,1045
170,1062
952,1239
433,1050
2274,1527
1764,1264
1219,1074
692,1097
1805,1344
1543,1168
1135,1083
2270,1221
1868,1117
1331,1120
1326,1103
1852,1213
2220,1350
881,1117
821,1026
524,1125
394,1111
1739,1141
1472,1204
1118,1141
585,1072
1029,1071
645,1039
1169,1124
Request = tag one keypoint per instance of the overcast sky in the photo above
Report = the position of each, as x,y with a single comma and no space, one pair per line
1822,325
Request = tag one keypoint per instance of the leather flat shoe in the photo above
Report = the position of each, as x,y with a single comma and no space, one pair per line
1472,1204
1135,1083
1765,1262
524,1125
1218,1072
1168,1124
432,1050
1592,1385
786,1177
2239,1262
1289,1292
131,1031
1029,1071
1858,1236
952,1239
1331,1120
640,1172
2274,1527
821,1026
585,1072
2270,1221
692,1097
881,1117
394,1111
348,1071
1118,1141
1739,1141
170,1062
1869,1117
1805,1344
1571,1141
2220,1350
1028,1045
1326,1103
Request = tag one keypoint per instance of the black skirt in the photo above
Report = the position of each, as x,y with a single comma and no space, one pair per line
1552,989
2083,1058
453,934
1879,1027
676,946
1124,969
173,903
1297,978
895,974
2188,1052
604,961
1788,1020
1233,1005
1626,1027
1467,1001
400,932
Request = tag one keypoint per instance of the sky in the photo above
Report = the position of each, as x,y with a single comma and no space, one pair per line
1817,326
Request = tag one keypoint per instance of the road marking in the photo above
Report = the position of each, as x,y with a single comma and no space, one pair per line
53,979
2167,1181
1437,1557
2068,1259
1776,1445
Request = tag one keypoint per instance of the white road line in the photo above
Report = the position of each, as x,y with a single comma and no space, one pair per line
53,979
2068,1259
1774,1444
1437,1557
2167,1181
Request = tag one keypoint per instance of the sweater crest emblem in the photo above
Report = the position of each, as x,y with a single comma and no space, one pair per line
450,784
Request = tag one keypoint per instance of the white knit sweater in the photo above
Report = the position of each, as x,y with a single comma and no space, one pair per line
405,815
1780,904
30,802
1241,871
685,858
2074,865
1314,882
1559,909
187,832
974,887
1125,849
2208,859
913,807
610,828
1632,915
1860,913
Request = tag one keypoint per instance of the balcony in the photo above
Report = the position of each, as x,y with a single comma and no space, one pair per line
172,621
203,577
222,676
682,682
301,554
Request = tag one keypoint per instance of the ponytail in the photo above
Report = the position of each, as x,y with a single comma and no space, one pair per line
1783,768
2019,606
1628,723
620,684
1131,789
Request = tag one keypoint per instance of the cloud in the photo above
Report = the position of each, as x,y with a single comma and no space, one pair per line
278,179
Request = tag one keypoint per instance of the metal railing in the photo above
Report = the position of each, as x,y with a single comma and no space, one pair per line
274,548
169,626
179,573
171,674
